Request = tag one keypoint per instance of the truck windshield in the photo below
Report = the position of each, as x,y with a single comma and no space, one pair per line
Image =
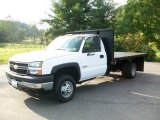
67,43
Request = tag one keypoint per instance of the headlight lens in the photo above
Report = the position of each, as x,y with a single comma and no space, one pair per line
35,64
35,68
35,72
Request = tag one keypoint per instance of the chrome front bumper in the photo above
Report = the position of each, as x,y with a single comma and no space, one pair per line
32,82
45,86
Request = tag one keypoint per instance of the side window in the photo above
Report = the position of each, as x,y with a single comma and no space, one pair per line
92,44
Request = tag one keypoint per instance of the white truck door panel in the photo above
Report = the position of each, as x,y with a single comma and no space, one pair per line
93,64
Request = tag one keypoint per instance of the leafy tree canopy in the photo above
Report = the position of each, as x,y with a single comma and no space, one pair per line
69,15
139,16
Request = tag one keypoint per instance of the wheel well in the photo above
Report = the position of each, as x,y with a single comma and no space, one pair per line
72,71
139,61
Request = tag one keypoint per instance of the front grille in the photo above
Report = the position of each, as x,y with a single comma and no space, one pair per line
19,68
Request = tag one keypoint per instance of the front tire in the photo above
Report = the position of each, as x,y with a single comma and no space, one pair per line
65,88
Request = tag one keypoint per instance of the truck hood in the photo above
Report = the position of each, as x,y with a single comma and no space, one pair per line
41,55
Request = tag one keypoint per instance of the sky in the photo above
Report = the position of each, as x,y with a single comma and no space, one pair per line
120,2
29,11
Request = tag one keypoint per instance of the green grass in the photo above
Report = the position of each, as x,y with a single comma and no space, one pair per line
7,50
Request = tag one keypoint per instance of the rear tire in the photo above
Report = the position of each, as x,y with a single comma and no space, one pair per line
129,70
64,88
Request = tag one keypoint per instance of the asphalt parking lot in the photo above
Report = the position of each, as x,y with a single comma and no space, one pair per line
105,98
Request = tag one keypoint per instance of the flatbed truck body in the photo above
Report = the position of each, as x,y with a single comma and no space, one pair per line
71,59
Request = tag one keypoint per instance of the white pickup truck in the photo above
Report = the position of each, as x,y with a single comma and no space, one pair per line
71,59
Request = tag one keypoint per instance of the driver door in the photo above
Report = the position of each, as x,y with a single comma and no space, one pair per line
93,59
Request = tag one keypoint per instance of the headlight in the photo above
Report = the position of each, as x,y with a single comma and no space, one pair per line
35,72
35,68
35,64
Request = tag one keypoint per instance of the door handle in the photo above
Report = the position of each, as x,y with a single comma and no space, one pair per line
90,54
101,56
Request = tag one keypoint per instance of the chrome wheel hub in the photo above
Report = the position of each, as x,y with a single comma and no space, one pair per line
133,71
66,89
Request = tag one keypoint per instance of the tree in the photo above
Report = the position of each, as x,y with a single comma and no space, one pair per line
139,16
12,31
69,15
21,35
3,34
34,32
101,14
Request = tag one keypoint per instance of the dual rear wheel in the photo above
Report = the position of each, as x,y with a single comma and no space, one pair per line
129,70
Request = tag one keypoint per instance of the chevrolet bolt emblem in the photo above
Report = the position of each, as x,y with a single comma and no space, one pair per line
15,67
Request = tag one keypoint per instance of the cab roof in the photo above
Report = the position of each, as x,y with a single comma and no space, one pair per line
83,35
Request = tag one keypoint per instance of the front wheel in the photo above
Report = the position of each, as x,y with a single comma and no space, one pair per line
65,88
